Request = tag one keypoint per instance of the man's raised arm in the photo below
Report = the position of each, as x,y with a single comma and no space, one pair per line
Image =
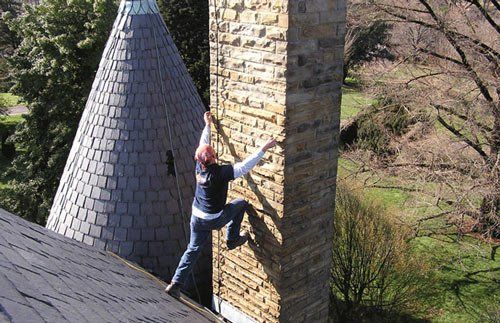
205,135
245,166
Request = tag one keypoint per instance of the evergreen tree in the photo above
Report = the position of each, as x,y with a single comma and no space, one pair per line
187,21
8,39
9,9
54,67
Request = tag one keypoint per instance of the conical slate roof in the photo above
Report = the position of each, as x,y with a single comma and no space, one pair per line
118,190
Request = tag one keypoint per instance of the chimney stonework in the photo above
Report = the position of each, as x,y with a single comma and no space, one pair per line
276,70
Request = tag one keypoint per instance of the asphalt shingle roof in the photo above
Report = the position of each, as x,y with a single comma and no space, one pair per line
46,277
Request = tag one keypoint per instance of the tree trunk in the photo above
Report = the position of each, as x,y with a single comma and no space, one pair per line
489,212
489,216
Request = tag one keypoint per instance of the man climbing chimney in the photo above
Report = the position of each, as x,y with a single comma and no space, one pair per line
209,210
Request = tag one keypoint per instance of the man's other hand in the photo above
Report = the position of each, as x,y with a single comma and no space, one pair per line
208,118
269,144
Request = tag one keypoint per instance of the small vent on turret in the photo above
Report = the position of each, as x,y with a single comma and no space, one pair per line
170,163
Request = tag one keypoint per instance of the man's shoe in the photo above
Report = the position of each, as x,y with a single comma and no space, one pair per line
233,244
174,290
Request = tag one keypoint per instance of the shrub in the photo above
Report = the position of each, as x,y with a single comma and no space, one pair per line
374,272
367,36
372,136
8,40
379,123
3,107
7,148
5,82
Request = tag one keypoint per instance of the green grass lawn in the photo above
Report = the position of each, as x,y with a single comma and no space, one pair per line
466,278
11,120
389,198
353,101
9,99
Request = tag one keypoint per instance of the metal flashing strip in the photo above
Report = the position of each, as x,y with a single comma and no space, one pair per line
138,7
230,312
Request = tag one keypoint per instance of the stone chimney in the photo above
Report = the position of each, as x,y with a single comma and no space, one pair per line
119,190
276,70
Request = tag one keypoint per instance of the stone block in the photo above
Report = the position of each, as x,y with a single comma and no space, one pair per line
267,18
229,14
248,16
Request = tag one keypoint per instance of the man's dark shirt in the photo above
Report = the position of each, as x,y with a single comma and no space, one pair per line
211,187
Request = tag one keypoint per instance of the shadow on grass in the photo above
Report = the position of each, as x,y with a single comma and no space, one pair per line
467,277
484,280
340,312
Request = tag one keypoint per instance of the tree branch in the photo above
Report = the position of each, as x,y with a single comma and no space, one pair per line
452,36
393,187
462,137
465,118
431,166
485,14
490,54
402,8
440,56
416,78
496,4
434,216
449,36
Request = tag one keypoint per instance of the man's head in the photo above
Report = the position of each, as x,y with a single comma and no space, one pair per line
205,155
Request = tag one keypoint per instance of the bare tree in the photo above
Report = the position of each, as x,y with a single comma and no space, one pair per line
367,37
458,43
373,269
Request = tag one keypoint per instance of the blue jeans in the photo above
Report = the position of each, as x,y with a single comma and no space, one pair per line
232,215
